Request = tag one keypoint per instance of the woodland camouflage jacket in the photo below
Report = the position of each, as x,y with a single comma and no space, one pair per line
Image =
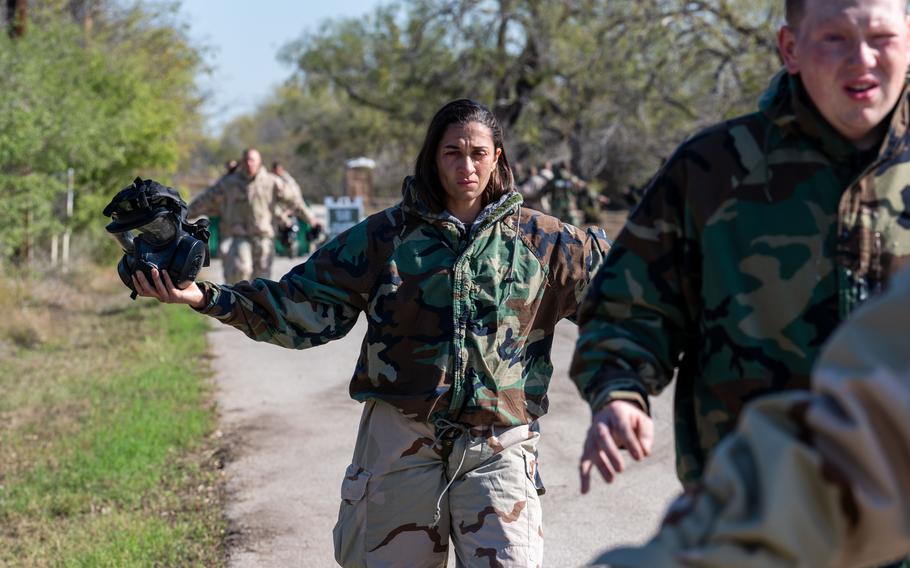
459,321
755,240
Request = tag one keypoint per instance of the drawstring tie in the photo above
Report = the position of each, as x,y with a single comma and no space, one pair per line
444,427
510,276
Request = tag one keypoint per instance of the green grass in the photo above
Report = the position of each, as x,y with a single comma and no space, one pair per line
105,441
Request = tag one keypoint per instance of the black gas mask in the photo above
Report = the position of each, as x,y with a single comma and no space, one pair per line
149,223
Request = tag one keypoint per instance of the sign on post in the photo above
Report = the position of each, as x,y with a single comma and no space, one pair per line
342,213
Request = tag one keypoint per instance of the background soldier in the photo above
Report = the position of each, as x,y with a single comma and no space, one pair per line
562,191
245,201
532,189
285,220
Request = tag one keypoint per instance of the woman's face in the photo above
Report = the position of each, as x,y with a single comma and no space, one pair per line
465,159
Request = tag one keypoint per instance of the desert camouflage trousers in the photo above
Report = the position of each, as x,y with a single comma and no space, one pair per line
414,486
248,258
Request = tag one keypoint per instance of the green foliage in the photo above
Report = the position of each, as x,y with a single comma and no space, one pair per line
102,438
610,86
112,103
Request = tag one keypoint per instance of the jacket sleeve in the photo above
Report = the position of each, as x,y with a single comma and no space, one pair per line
580,253
635,319
316,302
208,203
809,479
288,195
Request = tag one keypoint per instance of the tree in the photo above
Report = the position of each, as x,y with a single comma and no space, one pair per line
113,104
611,86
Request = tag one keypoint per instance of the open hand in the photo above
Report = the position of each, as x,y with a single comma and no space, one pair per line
620,424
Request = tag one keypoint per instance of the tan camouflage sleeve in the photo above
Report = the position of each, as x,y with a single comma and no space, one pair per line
809,479
290,197
208,203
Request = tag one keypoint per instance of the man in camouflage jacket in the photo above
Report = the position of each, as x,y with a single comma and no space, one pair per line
246,200
755,240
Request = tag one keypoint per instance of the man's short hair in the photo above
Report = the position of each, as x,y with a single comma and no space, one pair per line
795,9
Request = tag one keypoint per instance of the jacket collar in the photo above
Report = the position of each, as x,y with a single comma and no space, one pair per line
413,204
786,104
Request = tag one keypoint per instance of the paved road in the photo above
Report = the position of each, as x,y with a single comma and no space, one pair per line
293,427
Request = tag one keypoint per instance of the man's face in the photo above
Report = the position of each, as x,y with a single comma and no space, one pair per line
852,56
251,162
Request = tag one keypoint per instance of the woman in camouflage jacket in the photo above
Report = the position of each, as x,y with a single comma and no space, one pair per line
462,288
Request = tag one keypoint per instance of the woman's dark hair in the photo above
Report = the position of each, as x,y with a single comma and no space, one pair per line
460,112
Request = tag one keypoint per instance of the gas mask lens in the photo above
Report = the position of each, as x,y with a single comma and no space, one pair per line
159,231
125,240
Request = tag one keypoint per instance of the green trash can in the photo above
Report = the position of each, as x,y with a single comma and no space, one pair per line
215,237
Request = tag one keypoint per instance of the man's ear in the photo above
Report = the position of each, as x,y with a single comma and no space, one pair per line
786,46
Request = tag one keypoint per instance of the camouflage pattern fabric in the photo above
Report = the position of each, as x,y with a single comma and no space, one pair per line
247,206
750,246
284,216
248,258
809,479
563,194
402,467
460,319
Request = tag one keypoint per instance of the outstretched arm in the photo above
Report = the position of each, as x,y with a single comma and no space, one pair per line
289,196
316,302
209,202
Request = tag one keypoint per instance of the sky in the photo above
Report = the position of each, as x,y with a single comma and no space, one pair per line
243,39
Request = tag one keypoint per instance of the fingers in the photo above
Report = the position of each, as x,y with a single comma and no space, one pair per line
616,426
142,285
601,452
608,447
584,469
161,290
625,436
645,431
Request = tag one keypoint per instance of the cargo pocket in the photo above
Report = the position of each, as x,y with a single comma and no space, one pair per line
349,532
533,473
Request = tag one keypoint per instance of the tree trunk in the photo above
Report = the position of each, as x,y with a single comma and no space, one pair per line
16,17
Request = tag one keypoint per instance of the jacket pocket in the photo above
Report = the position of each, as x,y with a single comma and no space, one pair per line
350,530
532,472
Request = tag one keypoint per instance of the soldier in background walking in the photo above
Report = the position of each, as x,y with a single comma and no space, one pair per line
285,220
245,200
562,191
532,188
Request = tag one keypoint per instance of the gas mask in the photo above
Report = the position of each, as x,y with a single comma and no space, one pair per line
149,223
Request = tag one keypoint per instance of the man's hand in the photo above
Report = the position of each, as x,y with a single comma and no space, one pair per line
165,291
620,424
